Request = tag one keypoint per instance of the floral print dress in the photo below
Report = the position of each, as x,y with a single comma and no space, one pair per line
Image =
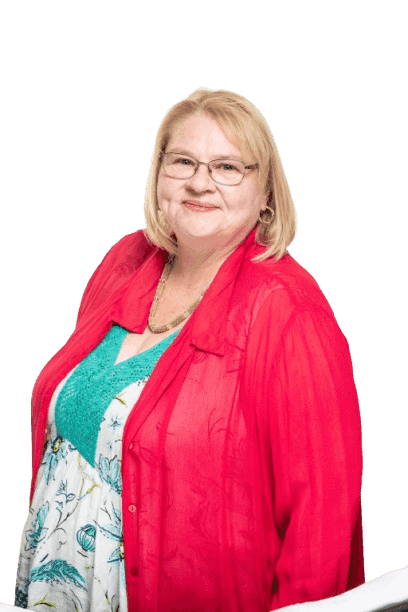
71,555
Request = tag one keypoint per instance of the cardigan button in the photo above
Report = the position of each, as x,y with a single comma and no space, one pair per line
134,571
132,508
130,446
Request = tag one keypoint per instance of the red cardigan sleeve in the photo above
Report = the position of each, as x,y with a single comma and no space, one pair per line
304,382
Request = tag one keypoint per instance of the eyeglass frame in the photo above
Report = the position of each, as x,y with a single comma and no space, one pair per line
200,163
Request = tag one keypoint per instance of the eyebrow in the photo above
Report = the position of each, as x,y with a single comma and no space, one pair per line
183,152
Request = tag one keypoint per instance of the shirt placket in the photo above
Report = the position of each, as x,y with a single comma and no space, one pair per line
130,503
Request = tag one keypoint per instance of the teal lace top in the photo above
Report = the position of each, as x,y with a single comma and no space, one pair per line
95,383
71,555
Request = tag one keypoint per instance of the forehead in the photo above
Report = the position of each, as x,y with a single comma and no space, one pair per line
202,136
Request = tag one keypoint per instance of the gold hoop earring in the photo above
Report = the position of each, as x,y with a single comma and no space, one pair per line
270,214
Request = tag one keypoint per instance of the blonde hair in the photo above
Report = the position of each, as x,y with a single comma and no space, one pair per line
246,127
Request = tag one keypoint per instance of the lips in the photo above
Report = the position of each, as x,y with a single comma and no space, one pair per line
199,206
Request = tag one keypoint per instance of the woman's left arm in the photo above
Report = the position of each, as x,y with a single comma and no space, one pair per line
304,380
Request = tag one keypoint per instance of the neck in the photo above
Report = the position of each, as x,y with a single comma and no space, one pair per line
199,259
196,267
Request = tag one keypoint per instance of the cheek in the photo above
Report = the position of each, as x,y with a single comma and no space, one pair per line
165,190
246,206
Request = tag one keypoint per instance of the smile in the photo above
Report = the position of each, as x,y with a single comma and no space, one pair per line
198,207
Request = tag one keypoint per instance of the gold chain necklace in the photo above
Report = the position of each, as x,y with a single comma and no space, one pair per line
158,329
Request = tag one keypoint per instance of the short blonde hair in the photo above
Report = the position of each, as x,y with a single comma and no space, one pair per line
247,129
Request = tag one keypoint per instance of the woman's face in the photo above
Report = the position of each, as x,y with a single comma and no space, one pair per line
232,211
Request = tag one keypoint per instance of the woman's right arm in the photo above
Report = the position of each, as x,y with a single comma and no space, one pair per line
388,593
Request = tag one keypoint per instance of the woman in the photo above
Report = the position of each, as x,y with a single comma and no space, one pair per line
202,445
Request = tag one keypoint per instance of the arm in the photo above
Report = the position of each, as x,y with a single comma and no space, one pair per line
386,593
304,384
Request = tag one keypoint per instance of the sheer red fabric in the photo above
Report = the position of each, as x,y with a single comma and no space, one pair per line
242,458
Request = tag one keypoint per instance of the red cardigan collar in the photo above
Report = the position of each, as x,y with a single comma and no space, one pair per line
207,323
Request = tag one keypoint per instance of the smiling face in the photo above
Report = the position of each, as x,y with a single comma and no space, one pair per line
228,213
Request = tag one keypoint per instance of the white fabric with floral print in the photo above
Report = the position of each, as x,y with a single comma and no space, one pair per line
71,556
74,507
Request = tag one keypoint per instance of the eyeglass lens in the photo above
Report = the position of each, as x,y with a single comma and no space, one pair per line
226,171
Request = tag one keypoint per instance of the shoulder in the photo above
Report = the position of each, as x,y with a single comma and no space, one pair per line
290,312
285,283
128,254
123,259
119,263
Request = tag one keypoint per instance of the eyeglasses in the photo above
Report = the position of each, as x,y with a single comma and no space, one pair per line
222,171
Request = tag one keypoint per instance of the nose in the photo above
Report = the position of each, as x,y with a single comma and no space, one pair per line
201,180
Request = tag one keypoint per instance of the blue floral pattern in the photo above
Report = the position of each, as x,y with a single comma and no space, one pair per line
58,572
72,556
37,531
55,452
113,531
86,537
109,471
77,508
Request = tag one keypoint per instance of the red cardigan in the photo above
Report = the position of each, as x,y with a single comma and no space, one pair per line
242,457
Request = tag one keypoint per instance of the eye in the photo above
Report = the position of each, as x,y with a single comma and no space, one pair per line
182,161
226,166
